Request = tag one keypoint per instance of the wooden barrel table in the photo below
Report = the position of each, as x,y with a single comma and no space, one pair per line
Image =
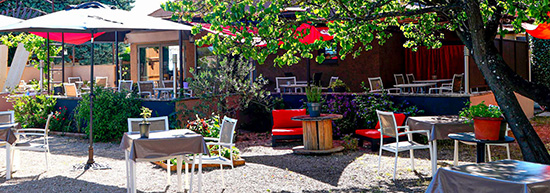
317,134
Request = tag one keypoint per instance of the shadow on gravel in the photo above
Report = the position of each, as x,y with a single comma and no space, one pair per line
59,184
327,169
79,147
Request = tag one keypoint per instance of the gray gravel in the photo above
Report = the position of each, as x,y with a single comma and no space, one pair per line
267,169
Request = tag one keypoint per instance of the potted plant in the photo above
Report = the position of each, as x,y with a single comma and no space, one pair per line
487,120
338,86
313,101
144,126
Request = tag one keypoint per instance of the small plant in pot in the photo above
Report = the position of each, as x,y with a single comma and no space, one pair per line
144,126
487,120
338,86
313,101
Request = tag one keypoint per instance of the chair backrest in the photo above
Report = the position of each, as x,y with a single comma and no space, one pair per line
168,83
146,86
332,80
457,82
7,117
289,74
410,78
284,80
70,90
125,85
388,125
399,79
101,81
227,130
317,78
282,118
157,124
74,79
375,83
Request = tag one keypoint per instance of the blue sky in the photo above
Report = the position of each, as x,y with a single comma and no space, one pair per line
146,6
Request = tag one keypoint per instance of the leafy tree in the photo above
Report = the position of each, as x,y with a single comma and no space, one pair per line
360,23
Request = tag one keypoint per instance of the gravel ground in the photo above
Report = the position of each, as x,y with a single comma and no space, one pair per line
267,169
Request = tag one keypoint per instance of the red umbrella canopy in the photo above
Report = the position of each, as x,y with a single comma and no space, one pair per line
542,31
315,33
71,38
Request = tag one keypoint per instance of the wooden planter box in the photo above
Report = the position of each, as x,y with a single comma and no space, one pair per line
237,162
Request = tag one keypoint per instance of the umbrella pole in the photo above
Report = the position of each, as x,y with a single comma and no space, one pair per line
117,73
62,58
91,137
180,52
308,71
48,62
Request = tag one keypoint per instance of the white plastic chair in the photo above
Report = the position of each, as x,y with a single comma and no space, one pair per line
74,79
507,145
227,131
157,124
410,78
376,85
388,127
32,145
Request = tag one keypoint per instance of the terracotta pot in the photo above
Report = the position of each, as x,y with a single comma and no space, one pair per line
487,128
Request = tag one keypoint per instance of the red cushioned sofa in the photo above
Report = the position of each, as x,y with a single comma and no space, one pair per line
373,135
284,127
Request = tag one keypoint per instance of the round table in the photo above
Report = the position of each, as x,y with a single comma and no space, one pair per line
480,144
317,134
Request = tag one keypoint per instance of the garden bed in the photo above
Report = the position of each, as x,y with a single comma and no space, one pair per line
238,162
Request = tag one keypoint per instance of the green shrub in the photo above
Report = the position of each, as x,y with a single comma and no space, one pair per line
32,111
60,120
111,113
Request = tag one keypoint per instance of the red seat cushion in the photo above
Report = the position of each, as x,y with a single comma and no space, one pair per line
289,131
374,133
281,118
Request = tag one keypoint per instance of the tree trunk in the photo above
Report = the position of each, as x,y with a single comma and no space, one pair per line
503,85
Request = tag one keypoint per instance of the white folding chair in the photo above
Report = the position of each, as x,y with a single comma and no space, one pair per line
74,79
25,143
388,127
6,117
102,81
454,87
376,85
410,78
227,131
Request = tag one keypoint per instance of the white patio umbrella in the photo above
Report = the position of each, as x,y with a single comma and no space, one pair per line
6,20
93,20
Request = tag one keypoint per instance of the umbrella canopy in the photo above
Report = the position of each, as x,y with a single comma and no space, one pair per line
71,38
6,20
93,20
541,31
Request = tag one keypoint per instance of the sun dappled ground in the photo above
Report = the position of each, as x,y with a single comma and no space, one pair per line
267,169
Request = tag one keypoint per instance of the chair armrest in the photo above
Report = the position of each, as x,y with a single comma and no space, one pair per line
211,139
417,131
222,144
28,130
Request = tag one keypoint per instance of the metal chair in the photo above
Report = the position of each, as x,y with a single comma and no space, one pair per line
399,79
454,87
125,85
410,78
388,127
71,90
146,88
102,81
376,85
227,131
284,81
507,145
33,144
74,79
157,124
317,78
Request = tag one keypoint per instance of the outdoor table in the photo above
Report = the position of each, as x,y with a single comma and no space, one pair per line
480,144
295,86
7,135
414,86
436,81
162,145
317,134
498,176
440,127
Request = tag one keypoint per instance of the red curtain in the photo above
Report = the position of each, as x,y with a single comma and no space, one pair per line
443,62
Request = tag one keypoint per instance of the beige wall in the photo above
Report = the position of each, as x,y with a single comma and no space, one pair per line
83,72
527,105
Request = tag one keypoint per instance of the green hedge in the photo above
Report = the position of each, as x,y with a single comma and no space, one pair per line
541,61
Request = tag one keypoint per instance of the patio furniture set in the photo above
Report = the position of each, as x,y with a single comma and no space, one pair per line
162,144
146,89
290,84
411,85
